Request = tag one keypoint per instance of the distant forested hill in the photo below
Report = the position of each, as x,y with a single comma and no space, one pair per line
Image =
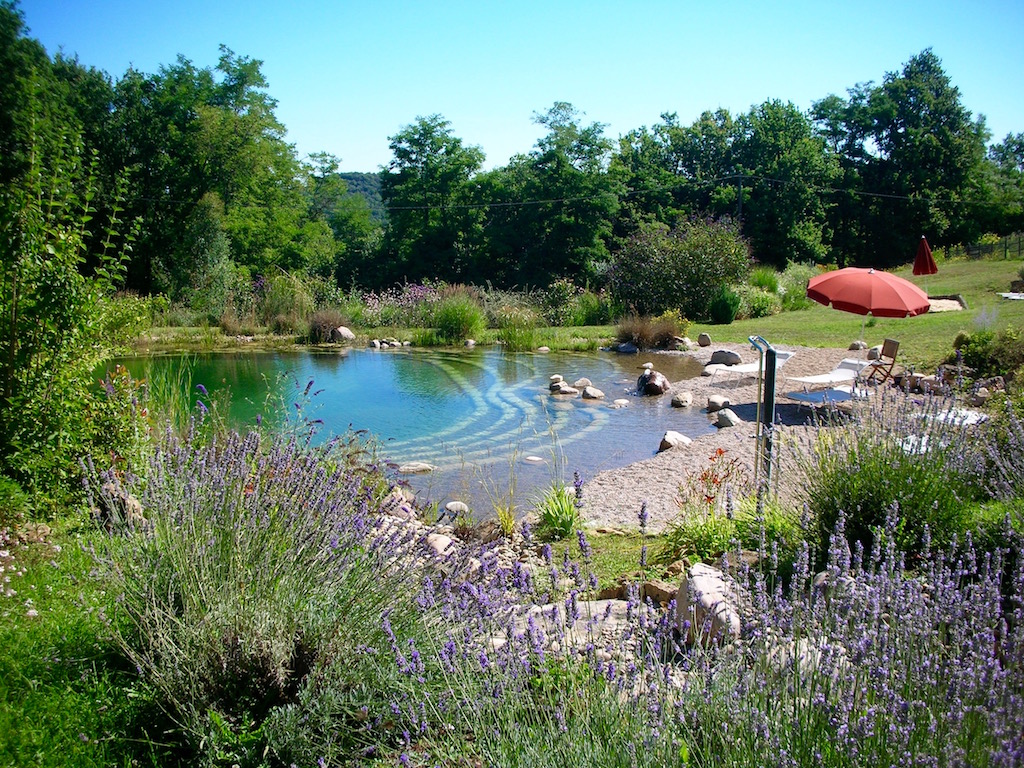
367,185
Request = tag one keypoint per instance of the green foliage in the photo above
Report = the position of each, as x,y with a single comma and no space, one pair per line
254,577
793,285
54,319
900,459
765,278
558,513
704,535
724,306
683,268
517,328
14,503
757,302
458,317
990,354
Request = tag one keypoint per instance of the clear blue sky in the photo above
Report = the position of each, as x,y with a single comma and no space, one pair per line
347,75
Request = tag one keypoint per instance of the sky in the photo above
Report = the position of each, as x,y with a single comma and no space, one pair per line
348,75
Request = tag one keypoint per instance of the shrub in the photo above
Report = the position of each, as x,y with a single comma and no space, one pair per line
651,333
517,328
323,324
559,511
288,323
901,458
681,268
260,565
558,302
286,296
724,306
793,285
990,354
756,302
458,317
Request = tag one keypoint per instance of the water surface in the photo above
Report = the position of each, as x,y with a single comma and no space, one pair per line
483,418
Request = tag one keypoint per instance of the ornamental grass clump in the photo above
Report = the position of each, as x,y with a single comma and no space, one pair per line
257,564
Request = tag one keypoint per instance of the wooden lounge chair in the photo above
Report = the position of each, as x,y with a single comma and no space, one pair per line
882,367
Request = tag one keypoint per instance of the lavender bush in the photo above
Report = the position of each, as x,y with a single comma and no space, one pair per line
259,563
911,453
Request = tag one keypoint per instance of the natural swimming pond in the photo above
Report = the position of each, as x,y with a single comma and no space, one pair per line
478,416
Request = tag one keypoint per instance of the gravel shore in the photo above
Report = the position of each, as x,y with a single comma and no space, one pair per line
613,497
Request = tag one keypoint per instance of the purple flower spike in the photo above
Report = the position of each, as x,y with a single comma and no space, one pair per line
202,390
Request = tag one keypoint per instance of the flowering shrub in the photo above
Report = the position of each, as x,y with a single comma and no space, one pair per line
407,305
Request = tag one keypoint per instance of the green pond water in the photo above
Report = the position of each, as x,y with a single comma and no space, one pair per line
481,417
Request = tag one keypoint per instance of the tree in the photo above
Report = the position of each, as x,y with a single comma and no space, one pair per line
550,214
426,189
786,172
914,156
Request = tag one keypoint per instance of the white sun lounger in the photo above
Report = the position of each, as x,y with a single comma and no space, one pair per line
839,384
748,369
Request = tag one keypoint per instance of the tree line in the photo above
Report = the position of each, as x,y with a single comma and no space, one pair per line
219,195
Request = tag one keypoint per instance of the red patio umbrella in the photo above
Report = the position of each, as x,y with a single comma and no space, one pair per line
924,264
868,292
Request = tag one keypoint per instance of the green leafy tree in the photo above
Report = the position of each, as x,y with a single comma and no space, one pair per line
550,214
912,156
1006,174
786,170
426,189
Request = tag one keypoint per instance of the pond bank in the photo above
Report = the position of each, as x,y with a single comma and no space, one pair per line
613,497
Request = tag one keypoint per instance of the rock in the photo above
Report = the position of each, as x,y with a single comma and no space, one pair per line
725,357
439,543
659,592
555,378
565,389
979,397
470,343
717,403
583,383
875,352
617,592
406,343
592,393
117,509
856,346
676,567
620,403
727,418
415,468
457,508
543,349
648,366
704,340
707,607
682,399
652,382
375,343
673,439
341,333
533,460
627,348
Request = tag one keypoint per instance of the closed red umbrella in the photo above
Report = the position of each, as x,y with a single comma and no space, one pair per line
924,264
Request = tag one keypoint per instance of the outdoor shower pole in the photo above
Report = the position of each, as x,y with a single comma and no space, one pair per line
765,407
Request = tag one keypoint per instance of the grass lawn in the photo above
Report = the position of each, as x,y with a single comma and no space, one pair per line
925,341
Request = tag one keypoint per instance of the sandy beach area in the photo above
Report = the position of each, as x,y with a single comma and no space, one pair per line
613,497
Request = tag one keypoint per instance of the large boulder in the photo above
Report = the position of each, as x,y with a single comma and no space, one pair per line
725,357
592,393
707,606
341,333
652,382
